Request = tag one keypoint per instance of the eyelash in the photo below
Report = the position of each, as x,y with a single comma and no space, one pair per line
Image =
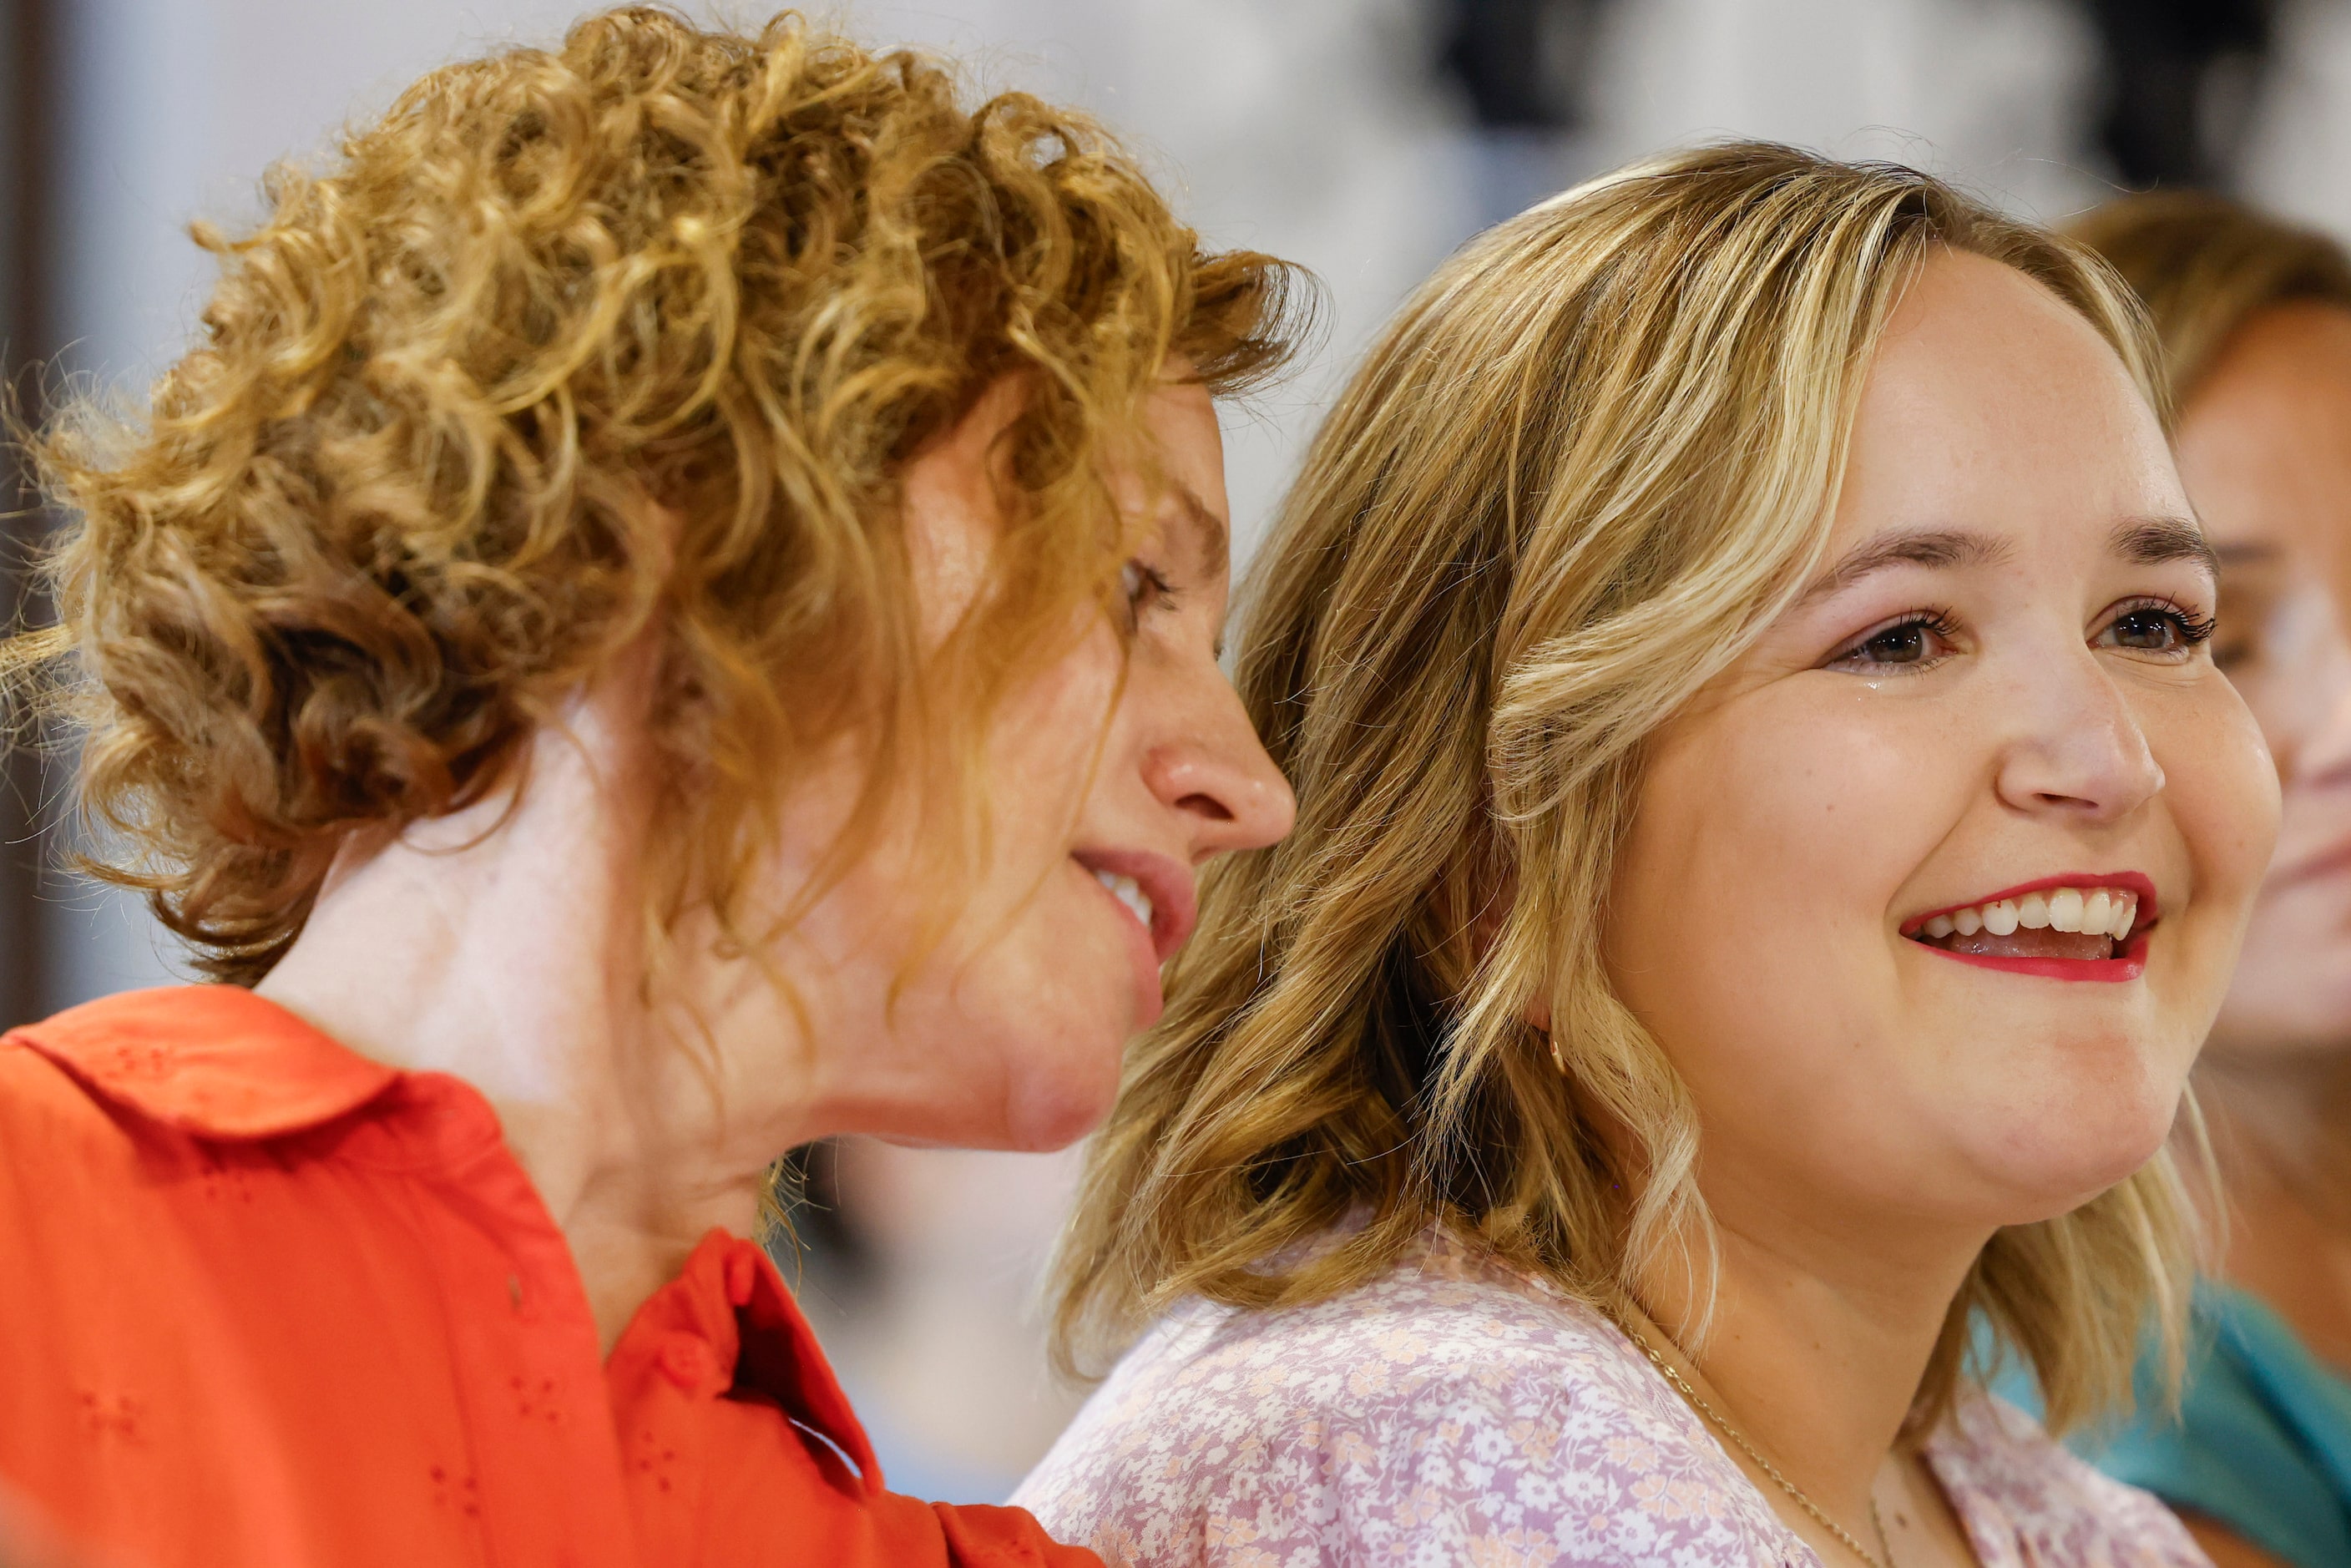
1931,619
2193,629
1143,584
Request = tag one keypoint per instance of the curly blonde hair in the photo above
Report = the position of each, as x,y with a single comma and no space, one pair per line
1583,469
636,334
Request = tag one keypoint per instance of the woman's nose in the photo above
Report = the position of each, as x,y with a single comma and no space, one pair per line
1210,767
2075,746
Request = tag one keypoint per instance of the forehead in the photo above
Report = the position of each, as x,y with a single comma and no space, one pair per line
1180,420
2265,439
1992,404
1189,508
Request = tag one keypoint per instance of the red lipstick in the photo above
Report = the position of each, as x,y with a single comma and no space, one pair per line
2127,963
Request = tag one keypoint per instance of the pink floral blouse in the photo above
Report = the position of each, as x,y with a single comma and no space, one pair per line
1454,1412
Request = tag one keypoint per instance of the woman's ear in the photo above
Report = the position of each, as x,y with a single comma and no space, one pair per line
1499,895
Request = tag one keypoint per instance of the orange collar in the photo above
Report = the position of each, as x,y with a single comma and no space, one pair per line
214,1061
218,1062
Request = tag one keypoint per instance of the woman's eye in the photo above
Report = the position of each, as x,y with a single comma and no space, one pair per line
2236,644
1141,586
1913,641
1899,645
2162,629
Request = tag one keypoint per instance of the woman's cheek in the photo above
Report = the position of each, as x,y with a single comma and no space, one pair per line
1050,740
1852,796
2221,791
2224,788
1772,841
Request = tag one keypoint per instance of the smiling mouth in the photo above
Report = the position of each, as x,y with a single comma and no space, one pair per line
2086,928
1129,892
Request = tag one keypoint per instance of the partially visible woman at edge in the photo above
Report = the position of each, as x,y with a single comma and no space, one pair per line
1771,838
670,612
2255,317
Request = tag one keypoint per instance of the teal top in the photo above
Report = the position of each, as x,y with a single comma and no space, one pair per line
2263,1443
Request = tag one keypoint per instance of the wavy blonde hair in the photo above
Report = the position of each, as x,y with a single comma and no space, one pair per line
1586,465
635,333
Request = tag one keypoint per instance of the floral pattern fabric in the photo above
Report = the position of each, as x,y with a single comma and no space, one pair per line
1455,1412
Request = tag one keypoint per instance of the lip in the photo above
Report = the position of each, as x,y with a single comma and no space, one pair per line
2128,965
1167,883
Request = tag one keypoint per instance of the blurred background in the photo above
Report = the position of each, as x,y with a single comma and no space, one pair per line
1364,138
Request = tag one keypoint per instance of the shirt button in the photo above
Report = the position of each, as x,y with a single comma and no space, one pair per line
688,1361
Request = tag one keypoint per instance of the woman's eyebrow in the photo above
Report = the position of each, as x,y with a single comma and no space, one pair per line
2155,541
1940,548
1215,537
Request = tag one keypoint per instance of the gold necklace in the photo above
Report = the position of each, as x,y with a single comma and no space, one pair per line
1722,1424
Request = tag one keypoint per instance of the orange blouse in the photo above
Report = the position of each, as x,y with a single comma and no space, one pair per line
266,1303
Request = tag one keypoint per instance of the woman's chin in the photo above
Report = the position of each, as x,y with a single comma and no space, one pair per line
2049,1170
1039,1128
1054,1100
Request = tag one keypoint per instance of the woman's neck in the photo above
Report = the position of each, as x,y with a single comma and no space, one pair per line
2281,1135
1814,1350
503,945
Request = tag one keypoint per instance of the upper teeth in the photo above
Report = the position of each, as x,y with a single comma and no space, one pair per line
1127,890
2098,910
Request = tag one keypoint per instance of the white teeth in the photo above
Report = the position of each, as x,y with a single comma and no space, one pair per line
2098,911
1129,892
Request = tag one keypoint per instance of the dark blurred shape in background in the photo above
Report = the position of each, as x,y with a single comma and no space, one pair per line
2179,82
1524,69
26,114
1522,62
2183,79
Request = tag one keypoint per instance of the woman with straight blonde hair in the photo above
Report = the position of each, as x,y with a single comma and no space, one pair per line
1771,840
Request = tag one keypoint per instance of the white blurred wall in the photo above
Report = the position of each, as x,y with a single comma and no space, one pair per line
1992,92
2300,162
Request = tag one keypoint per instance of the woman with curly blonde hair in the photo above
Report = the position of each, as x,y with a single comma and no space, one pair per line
672,611
1770,840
